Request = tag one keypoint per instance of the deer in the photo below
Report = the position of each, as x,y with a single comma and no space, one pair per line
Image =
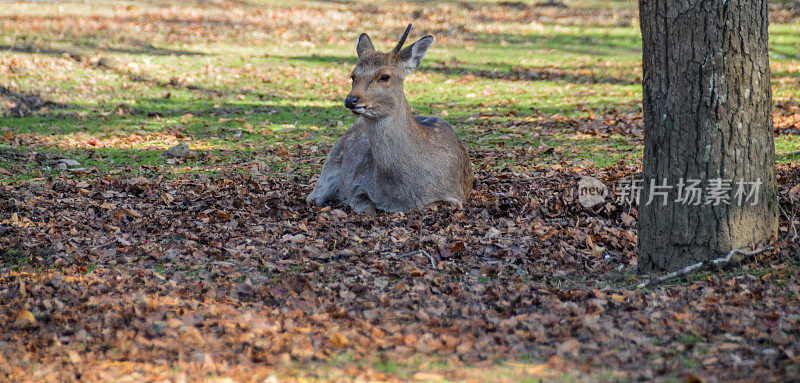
390,159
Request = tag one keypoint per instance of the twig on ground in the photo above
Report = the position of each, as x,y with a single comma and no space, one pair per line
415,252
720,262
433,263
791,222
486,133
104,244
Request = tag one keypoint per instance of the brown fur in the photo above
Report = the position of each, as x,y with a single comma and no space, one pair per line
390,159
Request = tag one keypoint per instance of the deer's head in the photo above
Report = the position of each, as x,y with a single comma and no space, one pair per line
378,77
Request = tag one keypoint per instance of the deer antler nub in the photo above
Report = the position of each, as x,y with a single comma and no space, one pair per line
396,49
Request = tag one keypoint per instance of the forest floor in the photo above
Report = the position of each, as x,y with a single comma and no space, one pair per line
130,266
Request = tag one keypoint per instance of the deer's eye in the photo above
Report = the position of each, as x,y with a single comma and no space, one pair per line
384,78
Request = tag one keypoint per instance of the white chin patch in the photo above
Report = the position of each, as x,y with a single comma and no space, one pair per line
363,112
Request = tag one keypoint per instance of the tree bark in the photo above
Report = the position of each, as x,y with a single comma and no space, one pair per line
707,116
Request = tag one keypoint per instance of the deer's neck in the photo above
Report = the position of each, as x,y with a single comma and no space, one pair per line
398,142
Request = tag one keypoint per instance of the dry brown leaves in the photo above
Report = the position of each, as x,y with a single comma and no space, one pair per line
235,275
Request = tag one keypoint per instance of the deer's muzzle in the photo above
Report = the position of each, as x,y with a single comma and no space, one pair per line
350,102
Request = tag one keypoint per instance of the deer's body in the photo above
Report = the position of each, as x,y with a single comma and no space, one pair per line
390,159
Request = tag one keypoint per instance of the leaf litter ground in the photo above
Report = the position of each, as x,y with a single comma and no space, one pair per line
213,267
235,275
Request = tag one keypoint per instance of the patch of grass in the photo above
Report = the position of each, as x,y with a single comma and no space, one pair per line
787,148
16,259
386,366
161,268
622,278
435,368
242,95
691,339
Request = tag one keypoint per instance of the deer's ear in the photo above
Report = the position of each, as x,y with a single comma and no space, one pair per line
364,45
412,55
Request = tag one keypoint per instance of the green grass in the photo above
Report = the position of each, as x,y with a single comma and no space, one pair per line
239,95
434,368
691,339
787,148
14,258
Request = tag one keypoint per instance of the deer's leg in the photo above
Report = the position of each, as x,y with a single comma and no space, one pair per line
360,202
455,203
364,207
327,187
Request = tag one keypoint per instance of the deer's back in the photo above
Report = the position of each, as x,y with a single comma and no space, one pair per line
444,134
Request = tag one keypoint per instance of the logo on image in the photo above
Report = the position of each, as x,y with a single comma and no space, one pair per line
591,191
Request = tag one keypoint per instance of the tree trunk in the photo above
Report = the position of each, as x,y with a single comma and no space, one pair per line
706,103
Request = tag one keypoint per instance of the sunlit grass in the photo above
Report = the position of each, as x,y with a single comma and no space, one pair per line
214,78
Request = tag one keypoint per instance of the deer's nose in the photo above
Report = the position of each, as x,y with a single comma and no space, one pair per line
351,102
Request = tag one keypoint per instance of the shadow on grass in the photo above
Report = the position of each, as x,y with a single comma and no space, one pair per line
75,52
779,74
78,50
175,84
495,73
25,104
208,118
787,157
579,42
786,51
